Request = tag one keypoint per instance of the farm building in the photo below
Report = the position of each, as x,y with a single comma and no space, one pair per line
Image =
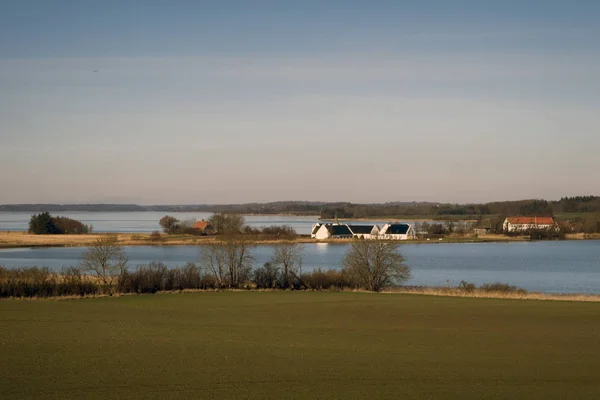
519,224
204,227
345,231
315,229
364,231
333,231
397,232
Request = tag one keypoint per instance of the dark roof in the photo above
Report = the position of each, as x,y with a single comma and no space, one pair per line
361,229
397,229
339,230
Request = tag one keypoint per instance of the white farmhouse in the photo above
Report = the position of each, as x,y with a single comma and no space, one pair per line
333,231
520,224
315,229
397,232
364,231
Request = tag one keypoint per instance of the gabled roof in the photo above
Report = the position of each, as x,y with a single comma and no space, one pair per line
397,229
315,228
361,229
202,225
531,220
339,230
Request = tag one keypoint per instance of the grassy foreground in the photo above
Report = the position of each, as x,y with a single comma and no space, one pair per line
298,345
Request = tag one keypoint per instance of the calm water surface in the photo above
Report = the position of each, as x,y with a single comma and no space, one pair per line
553,267
147,221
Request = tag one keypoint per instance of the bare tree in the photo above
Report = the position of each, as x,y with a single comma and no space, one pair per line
289,257
228,260
375,264
212,261
106,259
227,224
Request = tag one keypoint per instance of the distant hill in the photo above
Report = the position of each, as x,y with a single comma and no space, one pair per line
539,207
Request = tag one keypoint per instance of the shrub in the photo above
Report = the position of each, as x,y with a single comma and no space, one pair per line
70,226
319,279
501,288
40,282
467,287
156,236
279,231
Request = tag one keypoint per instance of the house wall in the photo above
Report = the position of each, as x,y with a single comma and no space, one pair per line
314,230
365,236
410,234
524,227
322,233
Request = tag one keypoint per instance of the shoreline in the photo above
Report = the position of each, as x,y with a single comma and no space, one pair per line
15,240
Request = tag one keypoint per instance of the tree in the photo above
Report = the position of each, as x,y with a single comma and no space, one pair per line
106,259
289,257
71,226
228,261
267,276
42,224
375,264
169,224
226,224
46,224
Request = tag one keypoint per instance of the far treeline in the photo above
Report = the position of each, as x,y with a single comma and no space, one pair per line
328,210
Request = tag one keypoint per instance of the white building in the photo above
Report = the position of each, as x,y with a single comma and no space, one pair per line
397,232
346,231
333,231
520,224
314,230
364,231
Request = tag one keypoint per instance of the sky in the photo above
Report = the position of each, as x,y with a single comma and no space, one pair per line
191,102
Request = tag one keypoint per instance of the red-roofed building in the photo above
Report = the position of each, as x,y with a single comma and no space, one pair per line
518,224
204,227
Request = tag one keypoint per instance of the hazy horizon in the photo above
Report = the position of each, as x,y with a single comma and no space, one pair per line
226,102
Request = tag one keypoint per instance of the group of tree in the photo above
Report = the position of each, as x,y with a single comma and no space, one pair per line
225,224
45,224
372,265
173,226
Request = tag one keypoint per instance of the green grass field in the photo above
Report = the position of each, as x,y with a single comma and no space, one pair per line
299,345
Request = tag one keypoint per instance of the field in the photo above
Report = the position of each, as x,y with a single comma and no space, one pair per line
298,345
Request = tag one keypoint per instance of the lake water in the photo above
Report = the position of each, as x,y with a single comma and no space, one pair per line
552,267
146,222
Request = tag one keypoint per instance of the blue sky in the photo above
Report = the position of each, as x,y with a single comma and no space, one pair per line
235,101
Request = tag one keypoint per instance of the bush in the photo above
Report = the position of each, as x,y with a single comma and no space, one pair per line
156,236
71,226
325,280
271,232
279,231
501,288
40,282
466,287
157,276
